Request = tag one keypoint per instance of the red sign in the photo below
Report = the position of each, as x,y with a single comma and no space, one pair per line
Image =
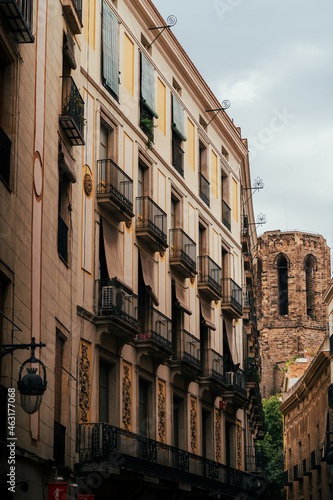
57,491
86,497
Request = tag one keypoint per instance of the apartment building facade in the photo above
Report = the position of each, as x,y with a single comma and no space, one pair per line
127,230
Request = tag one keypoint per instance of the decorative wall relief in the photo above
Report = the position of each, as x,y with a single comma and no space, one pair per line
162,411
84,382
218,452
239,454
127,396
193,424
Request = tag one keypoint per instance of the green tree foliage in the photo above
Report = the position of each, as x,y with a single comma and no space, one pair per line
272,447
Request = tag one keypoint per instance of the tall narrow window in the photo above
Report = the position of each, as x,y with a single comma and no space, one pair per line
283,285
59,429
144,396
6,112
104,371
110,64
63,217
310,266
204,189
147,98
178,135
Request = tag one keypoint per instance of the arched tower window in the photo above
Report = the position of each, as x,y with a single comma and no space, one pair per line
310,267
282,268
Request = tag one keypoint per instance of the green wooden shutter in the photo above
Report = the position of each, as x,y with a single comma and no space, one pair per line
148,85
110,67
178,119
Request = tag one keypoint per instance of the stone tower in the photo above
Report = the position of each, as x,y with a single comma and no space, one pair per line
293,272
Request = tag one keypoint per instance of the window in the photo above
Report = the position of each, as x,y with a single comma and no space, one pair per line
63,217
59,429
107,153
147,98
225,197
144,407
178,422
203,173
104,372
282,268
110,65
206,426
310,267
178,135
7,80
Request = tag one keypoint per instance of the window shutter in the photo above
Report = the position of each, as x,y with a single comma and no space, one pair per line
178,119
148,85
110,68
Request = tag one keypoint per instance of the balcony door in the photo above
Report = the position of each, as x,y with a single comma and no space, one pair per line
178,422
145,391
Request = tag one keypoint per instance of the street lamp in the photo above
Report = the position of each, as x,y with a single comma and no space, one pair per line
32,386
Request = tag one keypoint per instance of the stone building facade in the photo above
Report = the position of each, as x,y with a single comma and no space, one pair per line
123,250
293,272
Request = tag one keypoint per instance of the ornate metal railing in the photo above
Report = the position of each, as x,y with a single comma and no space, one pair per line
177,158
100,441
209,272
150,216
19,17
232,293
5,148
113,299
72,114
236,380
183,247
204,189
155,327
189,347
226,215
113,180
254,459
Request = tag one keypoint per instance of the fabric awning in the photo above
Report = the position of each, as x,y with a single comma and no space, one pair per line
178,118
112,251
148,276
181,298
66,163
206,312
148,85
228,337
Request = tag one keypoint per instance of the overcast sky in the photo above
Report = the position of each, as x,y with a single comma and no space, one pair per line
273,59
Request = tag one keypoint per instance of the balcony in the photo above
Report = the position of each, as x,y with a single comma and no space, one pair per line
254,460
182,253
213,377
142,456
116,308
226,215
236,394
177,158
73,12
245,234
5,149
231,302
155,335
115,190
209,278
151,224
204,189
187,353
72,115
18,14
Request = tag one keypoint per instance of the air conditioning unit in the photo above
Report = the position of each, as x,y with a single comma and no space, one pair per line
107,297
230,376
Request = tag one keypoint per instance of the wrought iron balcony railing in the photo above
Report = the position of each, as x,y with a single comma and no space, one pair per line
232,294
254,459
204,189
209,273
226,215
151,218
213,365
62,239
18,14
236,381
155,327
178,158
115,185
72,114
182,248
113,299
189,350
99,441
5,148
